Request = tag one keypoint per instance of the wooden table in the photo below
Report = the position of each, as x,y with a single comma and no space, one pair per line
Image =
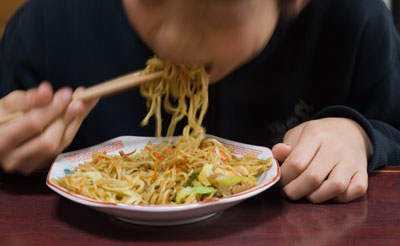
32,214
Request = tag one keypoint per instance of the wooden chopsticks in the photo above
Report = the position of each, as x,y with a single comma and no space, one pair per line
106,88
118,84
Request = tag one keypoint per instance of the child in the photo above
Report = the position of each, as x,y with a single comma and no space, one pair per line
321,87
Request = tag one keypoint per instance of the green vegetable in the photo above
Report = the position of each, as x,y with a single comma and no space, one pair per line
185,192
232,180
183,169
191,178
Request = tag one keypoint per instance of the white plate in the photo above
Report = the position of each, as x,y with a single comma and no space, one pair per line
158,214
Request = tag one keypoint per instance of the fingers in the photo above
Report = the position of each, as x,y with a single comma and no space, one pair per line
33,122
70,132
313,176
325,161
300,157
43,96
30,142
292,136
88,105
37,151
336,184
17,135
79,110
281,151
34,153
74,125
341,185
24,100
357,188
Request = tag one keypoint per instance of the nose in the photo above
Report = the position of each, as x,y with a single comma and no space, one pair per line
179,39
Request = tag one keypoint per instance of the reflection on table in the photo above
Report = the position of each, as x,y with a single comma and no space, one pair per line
32,214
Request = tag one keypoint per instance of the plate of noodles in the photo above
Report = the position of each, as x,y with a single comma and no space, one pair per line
166,180
153,181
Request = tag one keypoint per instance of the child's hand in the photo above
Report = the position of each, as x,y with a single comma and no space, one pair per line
47,127
324,159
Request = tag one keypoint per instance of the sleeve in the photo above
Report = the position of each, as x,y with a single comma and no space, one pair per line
21,50
375,98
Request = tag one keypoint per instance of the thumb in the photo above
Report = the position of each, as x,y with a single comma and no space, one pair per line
281,151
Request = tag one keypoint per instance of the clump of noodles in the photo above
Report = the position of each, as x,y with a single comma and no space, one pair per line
191,169
179,84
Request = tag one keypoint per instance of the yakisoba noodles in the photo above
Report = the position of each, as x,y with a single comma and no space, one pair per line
188,170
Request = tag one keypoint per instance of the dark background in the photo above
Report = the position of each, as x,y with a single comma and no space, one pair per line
396,13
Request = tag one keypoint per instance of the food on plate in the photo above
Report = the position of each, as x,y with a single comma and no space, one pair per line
166,173
191,169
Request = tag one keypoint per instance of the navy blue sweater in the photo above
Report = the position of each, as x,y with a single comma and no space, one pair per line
338,58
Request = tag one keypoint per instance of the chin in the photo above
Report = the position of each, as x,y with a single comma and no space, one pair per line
216,76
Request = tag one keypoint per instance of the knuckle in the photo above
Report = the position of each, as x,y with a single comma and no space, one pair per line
10,166
313,199
314,179
296,165
360,189
289,194
338,186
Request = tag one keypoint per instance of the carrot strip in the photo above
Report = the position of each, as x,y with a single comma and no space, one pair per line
99,158
169,151
158,156
224,157
128,154
156,169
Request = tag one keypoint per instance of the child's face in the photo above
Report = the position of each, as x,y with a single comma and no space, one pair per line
219,34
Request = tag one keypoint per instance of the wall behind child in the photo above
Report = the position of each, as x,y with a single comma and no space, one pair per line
7,9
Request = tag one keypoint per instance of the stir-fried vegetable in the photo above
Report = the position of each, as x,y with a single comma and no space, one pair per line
185,192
